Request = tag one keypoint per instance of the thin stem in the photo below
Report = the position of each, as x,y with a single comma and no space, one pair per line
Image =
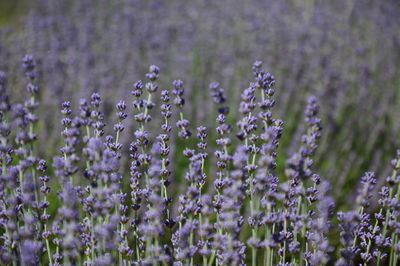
284,243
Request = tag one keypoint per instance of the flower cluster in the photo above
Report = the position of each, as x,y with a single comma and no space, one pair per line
231,206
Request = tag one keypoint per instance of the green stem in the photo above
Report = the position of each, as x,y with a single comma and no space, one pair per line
284,243
360,211
212,258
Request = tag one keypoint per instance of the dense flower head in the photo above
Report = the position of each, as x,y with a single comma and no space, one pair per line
152,76
153,73
217,93
95,99
29,64
368,182
137,89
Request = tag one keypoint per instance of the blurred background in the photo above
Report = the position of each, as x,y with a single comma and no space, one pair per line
346,52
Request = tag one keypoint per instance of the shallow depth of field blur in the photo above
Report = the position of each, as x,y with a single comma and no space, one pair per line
346,53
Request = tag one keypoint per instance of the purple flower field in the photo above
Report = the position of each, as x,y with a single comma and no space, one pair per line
149,133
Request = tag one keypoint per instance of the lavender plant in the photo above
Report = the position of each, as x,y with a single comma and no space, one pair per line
344,52
232,207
